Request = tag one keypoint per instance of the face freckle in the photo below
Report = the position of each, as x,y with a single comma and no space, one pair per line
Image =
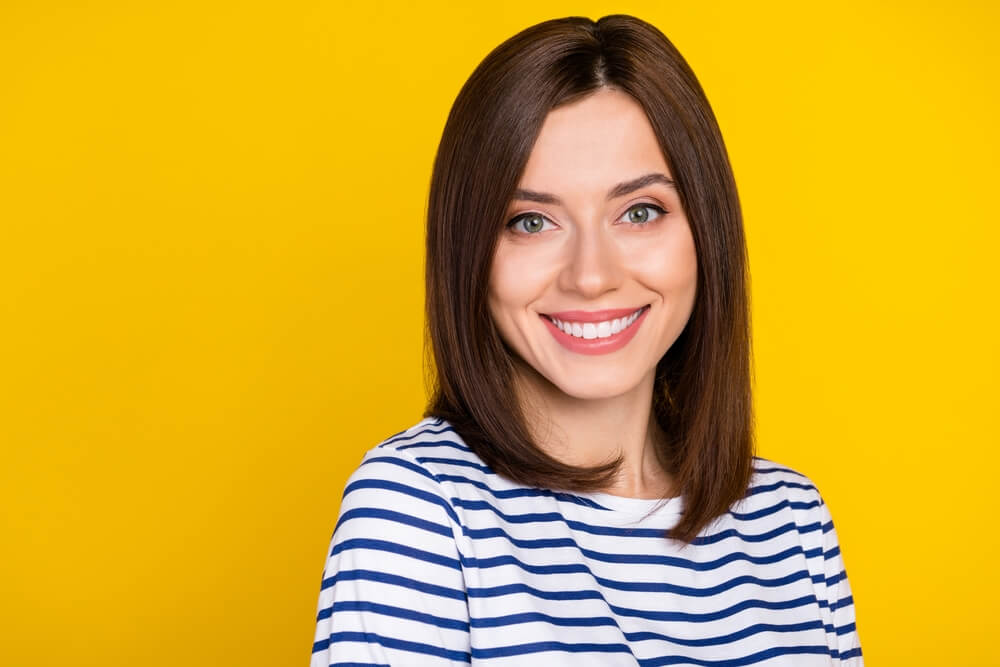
593,286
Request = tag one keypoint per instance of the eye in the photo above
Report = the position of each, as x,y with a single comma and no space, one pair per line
529,223
640,214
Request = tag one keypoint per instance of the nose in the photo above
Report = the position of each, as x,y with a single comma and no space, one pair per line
593,265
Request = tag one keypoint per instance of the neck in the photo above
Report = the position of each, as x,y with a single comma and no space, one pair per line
588,432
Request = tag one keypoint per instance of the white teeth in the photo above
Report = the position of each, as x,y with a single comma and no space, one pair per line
592,330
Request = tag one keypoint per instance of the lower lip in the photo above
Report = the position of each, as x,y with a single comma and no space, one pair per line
596,345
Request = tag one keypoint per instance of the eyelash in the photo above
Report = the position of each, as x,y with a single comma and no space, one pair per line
658,209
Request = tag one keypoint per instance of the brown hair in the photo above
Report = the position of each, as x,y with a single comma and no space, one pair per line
702,395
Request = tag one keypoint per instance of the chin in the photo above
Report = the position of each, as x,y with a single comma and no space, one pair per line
596,388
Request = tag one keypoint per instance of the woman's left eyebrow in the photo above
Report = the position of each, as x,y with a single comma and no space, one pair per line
619,190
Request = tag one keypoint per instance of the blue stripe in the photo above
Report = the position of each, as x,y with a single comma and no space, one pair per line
398,517
510,589
457,462
674,561
435,443
845,629
588,622
471,562
853,653
839,604
534,543
738,662
704,617
637,586
399,645
398,460
400,433
539,647
553,542
395,580
396,548
538,617
726,639
766,511
691,591
397,612
419,427
399,437
781,484
758,537
773,469
405,489
836,579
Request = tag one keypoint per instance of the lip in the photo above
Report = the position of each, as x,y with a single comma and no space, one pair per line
595,345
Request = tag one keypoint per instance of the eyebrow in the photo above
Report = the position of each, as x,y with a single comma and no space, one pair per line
619,190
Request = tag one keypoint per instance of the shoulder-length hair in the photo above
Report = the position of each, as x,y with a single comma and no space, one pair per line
702,394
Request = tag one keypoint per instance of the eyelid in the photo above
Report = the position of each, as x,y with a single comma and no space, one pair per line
520,216
649,201
524,214
660,208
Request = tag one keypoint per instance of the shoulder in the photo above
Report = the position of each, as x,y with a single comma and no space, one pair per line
431,448
770,475
391,485
785,494
427,448
427,436
403,475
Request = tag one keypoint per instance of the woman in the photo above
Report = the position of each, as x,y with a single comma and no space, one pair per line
582,489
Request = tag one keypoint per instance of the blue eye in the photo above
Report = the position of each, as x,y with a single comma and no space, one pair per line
529,223
639,214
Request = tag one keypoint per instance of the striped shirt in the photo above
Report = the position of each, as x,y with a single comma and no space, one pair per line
437,560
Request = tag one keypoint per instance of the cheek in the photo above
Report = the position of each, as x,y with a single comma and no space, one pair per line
517,278
669,265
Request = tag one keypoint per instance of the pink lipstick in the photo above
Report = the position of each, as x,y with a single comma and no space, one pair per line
595,331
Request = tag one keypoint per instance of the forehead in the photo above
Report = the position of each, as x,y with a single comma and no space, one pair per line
594,142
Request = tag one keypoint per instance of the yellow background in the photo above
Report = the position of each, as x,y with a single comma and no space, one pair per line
211,224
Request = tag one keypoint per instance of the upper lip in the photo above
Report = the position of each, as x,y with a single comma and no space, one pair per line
592,315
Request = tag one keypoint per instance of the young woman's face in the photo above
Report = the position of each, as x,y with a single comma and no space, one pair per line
594,278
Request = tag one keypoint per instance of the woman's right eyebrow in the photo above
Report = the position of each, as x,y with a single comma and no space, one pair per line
619,190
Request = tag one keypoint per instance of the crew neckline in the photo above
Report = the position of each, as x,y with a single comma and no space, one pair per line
634,507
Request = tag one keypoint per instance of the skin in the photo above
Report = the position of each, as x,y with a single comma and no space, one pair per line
593,253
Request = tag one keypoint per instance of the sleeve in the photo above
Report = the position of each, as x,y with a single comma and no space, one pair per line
838,603
393,592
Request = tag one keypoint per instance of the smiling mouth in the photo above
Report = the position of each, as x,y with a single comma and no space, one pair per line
593,330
